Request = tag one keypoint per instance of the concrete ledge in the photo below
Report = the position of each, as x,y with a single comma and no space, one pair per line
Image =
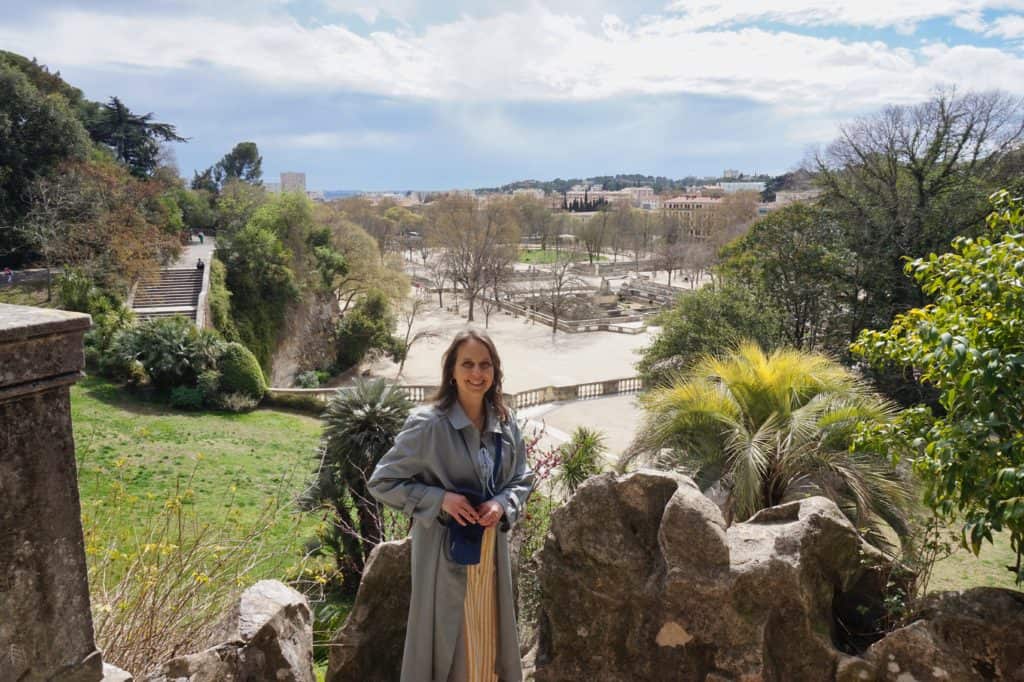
39,343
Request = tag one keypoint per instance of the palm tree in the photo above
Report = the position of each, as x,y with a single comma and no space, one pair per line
580,458
774,428
360,425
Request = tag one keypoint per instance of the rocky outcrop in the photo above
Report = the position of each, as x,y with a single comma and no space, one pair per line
268,635
643,581
369,646
963,636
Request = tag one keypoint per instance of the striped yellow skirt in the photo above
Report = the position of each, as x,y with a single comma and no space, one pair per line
479,619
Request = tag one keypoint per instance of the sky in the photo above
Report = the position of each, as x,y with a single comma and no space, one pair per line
409,94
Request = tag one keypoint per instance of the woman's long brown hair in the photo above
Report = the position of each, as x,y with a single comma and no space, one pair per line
447,393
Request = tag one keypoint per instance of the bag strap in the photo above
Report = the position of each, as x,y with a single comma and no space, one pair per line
497,462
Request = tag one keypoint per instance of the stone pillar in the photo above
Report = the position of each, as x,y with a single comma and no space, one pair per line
46,630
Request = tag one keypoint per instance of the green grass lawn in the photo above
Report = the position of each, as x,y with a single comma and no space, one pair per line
30,293
539,257
237,463
962,569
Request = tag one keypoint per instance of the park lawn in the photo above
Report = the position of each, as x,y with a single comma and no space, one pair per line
548,256
962,570
233,464
26,293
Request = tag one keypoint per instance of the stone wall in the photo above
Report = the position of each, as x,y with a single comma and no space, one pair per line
46,630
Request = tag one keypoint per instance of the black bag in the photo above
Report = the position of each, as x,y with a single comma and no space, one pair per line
462,544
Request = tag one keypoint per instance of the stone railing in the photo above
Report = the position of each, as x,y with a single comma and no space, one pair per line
315,399
618,324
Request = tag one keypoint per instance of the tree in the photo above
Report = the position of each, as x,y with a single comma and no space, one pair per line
133,138
38,133
969,344
796,258
242,163
704,322
770,428
410,310
904,181
594,232
360,425
558,294
476,239
96,217
367,326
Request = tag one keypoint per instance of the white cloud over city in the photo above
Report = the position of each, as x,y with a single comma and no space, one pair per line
810,63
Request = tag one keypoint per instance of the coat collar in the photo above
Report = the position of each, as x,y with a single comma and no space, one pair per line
459,420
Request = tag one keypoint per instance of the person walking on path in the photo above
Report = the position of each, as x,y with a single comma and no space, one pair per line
461,625
201,236
8,275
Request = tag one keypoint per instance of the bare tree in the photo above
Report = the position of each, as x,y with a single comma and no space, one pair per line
557,296
408,313
476,239
906,180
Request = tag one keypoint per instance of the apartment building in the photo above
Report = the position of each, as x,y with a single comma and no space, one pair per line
698,214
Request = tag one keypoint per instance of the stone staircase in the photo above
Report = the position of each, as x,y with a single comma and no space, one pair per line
175,292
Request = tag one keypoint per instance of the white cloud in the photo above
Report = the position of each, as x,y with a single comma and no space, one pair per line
1010,26
349,139
902,15
533,54
970,21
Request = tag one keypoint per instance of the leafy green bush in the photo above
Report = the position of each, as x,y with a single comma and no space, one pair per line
969,344
240,372
171,349
209,383
219,299
308,380
581,458
236,402
364,328
705,321
186,398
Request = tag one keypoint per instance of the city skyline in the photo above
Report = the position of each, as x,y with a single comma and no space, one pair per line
410,95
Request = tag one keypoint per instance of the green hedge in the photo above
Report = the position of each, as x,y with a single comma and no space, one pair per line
240,372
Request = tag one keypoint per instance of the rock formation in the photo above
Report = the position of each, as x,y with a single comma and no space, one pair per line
369,646
641,580
268,635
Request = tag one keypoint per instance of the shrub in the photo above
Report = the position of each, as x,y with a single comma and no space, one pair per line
581,458
186,398
236,402
309,379
364,328
171,349
219,299
160,590
209,384
240,372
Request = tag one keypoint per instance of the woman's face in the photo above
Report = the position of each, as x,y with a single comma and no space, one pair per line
474,372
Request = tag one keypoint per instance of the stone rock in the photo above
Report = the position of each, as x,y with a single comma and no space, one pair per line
963,636
111,673
369,646
267,635
643,581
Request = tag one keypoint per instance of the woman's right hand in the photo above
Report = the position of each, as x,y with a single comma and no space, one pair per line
459,508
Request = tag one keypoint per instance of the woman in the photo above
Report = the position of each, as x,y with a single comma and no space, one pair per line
461,625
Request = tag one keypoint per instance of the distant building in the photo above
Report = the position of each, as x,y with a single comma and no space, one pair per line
783,197
315,195
730,173
272,187
534,192
733,187
698,214
293,182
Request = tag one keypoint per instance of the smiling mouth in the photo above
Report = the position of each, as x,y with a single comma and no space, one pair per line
472,384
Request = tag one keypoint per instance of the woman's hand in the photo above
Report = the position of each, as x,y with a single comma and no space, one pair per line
490,512
459,508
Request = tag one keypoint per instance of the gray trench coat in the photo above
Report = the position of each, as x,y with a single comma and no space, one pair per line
427,459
